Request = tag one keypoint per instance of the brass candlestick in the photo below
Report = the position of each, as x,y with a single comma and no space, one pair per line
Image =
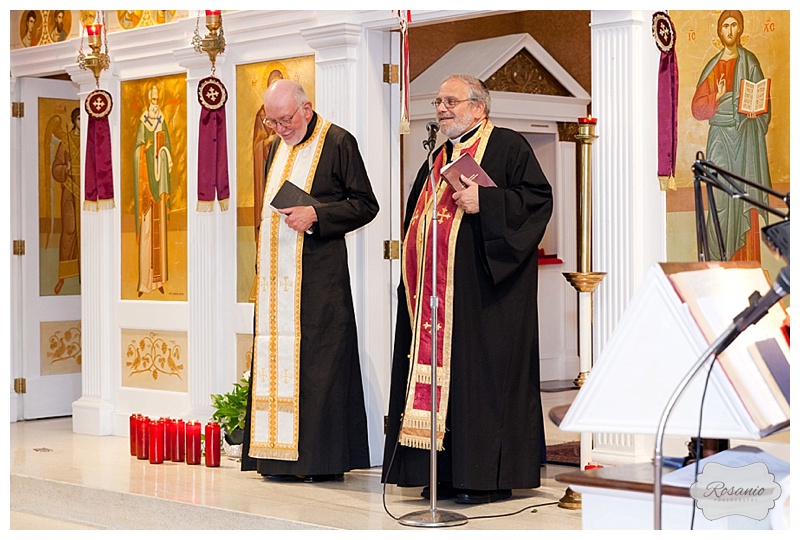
214,42
97,60
584,280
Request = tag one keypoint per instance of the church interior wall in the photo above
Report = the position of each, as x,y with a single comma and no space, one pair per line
155,44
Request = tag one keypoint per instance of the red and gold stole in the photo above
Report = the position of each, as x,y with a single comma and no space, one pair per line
415,430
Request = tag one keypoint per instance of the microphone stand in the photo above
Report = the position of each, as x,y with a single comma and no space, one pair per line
752,314
731,184
433,517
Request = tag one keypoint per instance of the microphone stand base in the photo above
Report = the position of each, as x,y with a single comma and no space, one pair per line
433,518
571,500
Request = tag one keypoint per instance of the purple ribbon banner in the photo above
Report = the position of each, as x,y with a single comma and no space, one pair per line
99,183
212,146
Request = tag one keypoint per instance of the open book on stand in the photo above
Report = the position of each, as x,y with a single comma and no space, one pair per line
714,297
467,166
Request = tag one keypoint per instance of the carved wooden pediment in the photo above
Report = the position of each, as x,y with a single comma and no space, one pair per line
525,75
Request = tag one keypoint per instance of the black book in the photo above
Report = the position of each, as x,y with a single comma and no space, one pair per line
290,195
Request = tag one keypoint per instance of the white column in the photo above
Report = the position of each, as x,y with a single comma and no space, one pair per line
211,241
629,208
92,412
337,51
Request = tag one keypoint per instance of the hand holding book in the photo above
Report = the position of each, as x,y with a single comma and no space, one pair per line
467,166
291,196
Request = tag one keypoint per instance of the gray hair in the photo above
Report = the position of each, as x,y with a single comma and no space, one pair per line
297,92
477,91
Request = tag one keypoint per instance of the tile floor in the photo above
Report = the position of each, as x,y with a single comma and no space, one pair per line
61,480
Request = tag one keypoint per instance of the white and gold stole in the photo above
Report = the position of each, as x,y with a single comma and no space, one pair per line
417,260
275,384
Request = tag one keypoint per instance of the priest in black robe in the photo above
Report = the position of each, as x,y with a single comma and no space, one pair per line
306,415
490,424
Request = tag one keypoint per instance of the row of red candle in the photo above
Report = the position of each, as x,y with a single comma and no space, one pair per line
173,440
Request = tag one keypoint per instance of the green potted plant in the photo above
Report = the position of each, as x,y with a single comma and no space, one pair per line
230,410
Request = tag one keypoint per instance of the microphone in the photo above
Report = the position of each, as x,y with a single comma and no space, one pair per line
759,306
433,129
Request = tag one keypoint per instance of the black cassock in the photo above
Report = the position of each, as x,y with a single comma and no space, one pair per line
333,419
494,422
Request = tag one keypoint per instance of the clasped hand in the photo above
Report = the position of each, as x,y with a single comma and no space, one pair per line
468,198
299,218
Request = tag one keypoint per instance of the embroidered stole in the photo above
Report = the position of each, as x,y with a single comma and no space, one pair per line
417,261
275,384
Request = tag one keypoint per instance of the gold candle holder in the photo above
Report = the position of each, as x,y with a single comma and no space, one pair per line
97,60
214,42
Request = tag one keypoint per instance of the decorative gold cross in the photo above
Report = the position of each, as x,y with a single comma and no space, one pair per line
212,94
427,326
287,284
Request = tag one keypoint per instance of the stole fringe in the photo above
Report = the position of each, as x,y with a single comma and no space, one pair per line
224,204
420,443
90,206
282,455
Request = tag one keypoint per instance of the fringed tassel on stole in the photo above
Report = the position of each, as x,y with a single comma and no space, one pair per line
281,455
99,183
417,434
212,146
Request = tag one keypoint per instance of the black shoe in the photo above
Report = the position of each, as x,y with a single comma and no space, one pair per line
473,496
444,491
316,478
281,477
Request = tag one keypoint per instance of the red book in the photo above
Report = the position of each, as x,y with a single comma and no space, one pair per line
466,165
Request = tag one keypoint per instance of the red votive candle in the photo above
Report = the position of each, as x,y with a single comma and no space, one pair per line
156,441
179,449
133,432
212,444
143,440
211,12
587,120
163,422
93,32
171,445
168,422
193,443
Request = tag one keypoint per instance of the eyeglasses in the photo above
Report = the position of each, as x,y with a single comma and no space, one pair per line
284,122
449,103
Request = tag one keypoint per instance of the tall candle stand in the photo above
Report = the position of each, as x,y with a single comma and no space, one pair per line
585,282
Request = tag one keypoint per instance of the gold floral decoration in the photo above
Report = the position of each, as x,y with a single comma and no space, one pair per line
153,354
65,346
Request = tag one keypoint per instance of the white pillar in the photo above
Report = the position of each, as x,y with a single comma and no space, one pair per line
92,412
629,208
211,252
